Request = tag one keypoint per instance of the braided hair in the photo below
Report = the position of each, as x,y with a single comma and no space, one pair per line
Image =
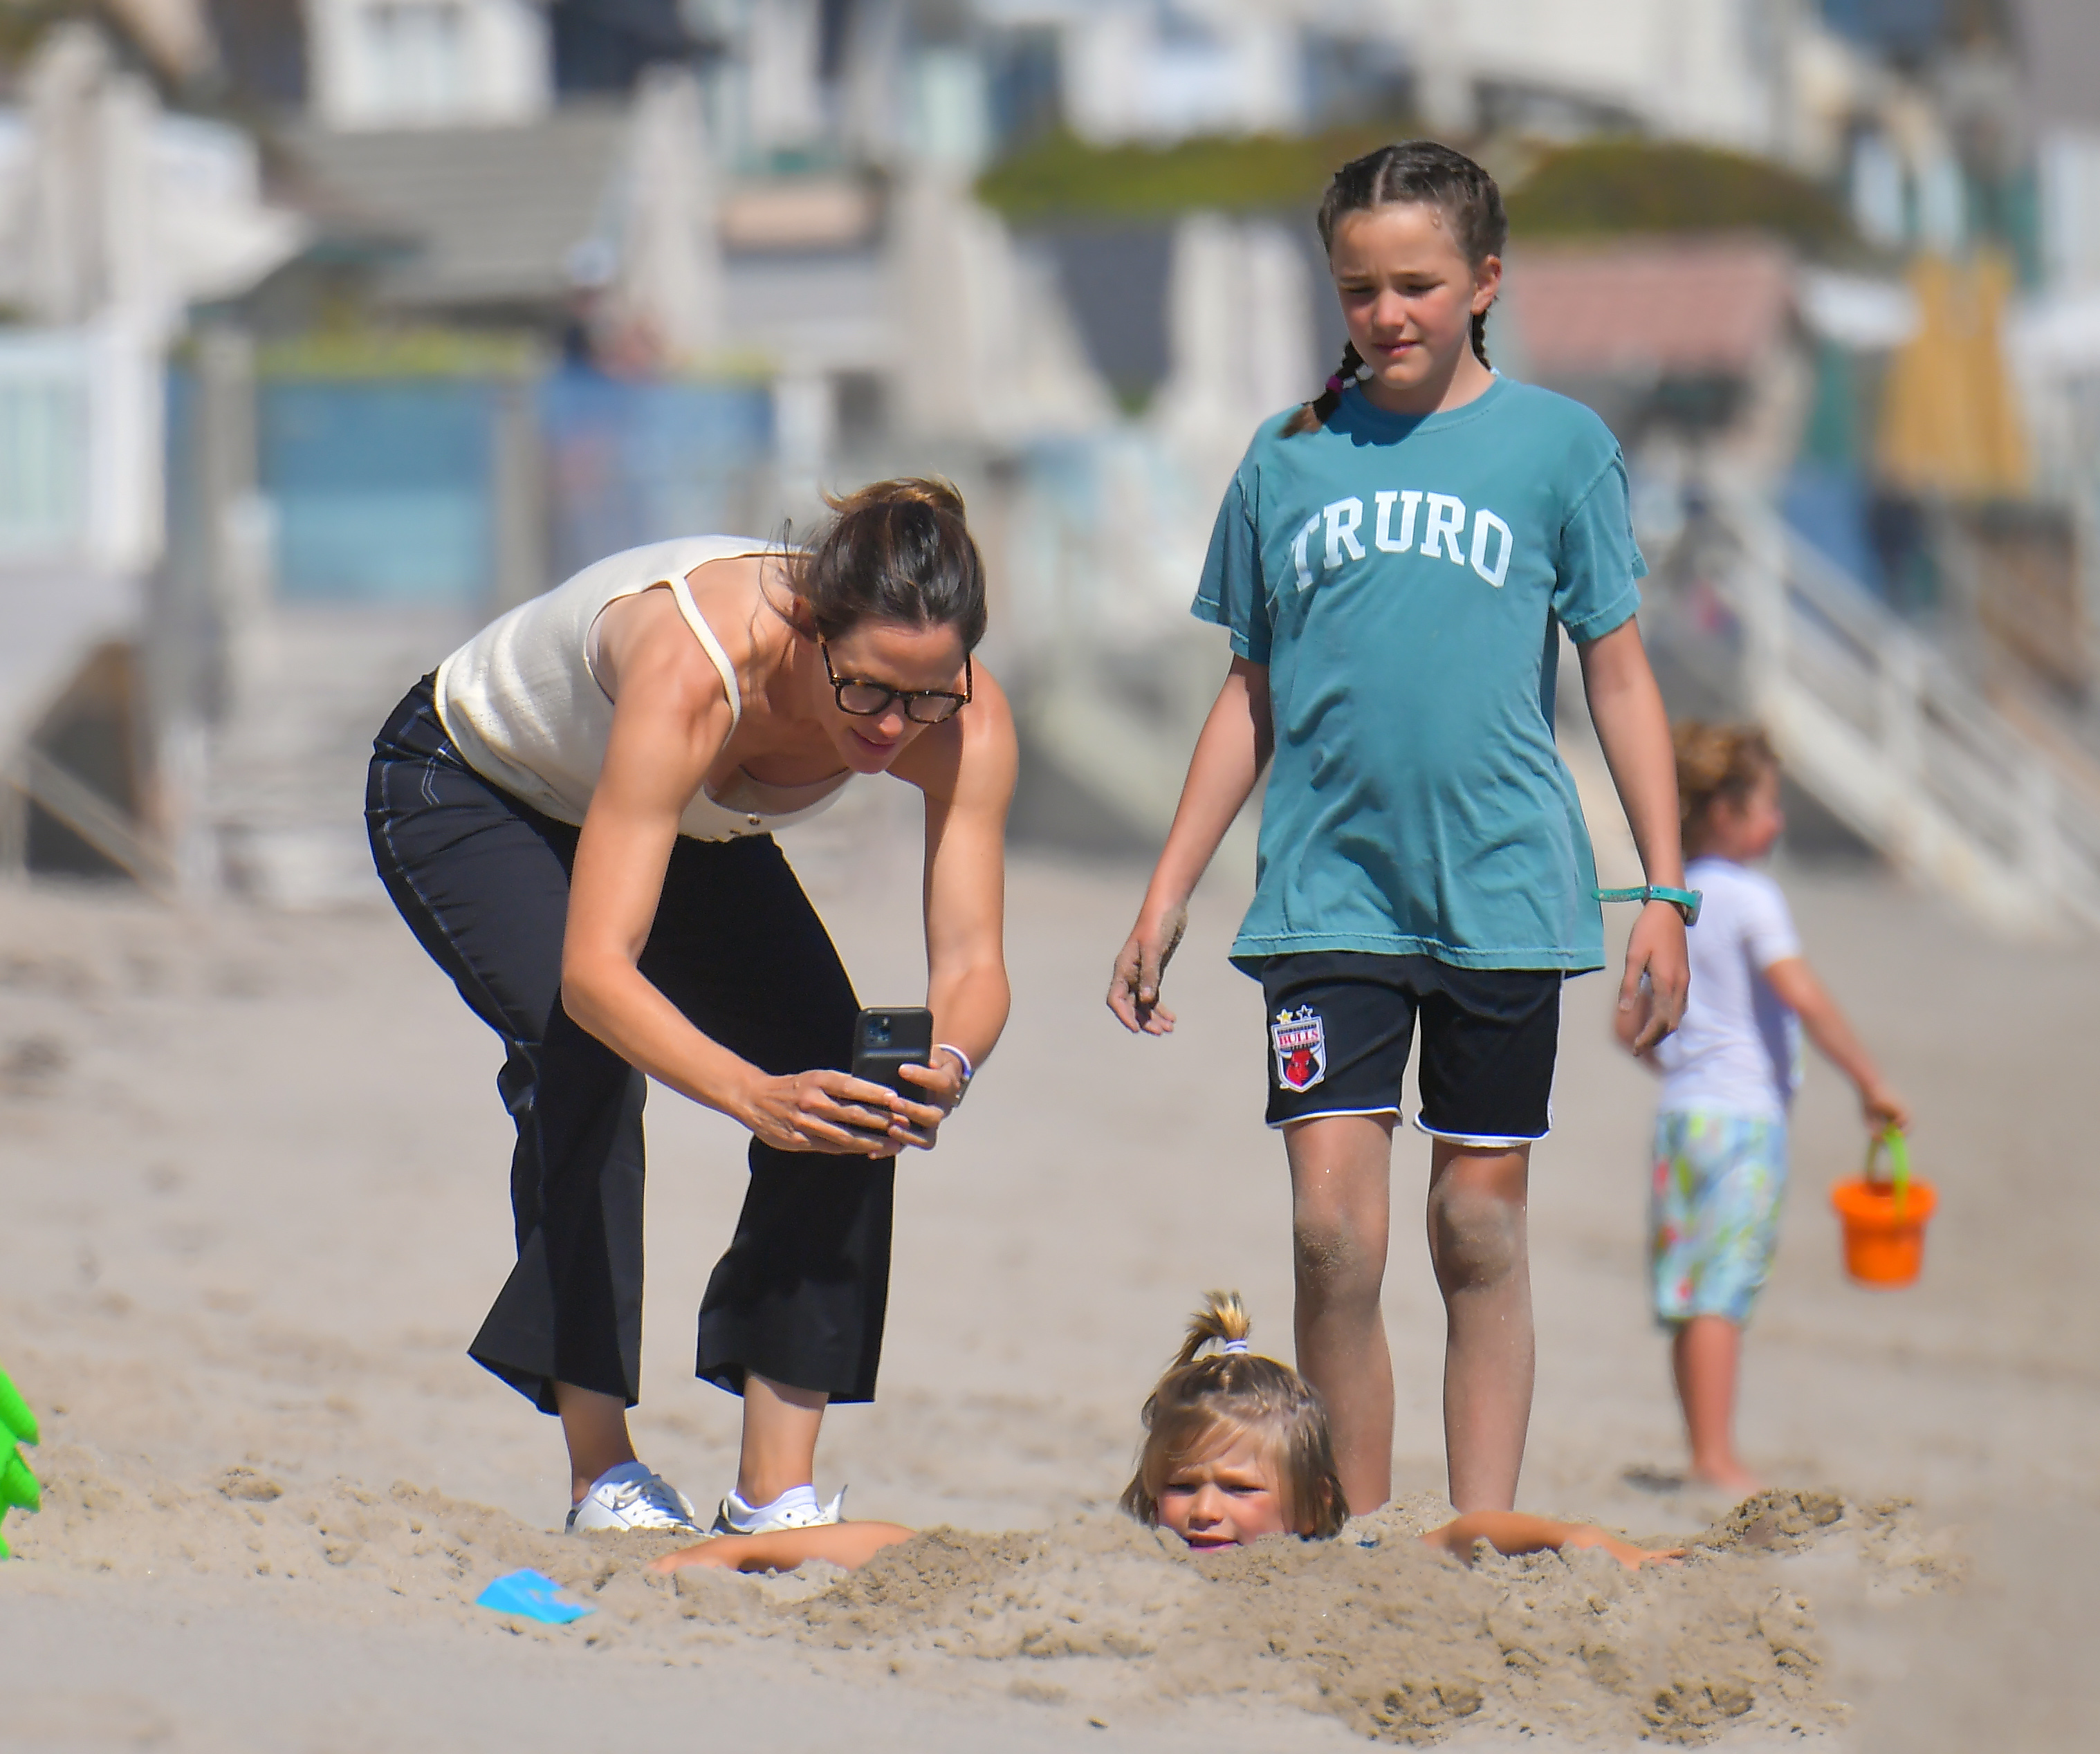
1413,171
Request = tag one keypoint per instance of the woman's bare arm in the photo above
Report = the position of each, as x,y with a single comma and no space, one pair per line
1626,707
1511,1532
1238,739
669,725
851,1544
966,775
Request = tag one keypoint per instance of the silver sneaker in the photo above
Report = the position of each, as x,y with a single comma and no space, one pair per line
631,1497
796,1518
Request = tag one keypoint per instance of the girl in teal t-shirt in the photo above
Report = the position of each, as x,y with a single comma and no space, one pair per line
1394,563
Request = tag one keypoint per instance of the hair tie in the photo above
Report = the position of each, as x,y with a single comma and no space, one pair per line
1234,1346
1335,386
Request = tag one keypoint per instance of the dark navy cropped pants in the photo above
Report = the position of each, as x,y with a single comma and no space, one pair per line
483,880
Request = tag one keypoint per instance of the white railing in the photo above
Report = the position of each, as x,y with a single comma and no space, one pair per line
82,491
105,826
1874,721
81,440
1104,544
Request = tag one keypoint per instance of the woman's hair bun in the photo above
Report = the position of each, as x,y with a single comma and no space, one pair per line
931,491
894,551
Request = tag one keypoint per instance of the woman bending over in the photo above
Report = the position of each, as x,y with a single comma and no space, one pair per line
574,815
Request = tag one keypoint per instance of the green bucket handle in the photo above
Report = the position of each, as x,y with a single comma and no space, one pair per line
1891,1139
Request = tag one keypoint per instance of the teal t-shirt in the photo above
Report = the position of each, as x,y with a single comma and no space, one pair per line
1403,579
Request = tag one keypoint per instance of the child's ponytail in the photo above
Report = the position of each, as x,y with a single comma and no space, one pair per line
1223,1319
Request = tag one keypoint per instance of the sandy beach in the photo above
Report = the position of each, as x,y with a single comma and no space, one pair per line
254,1174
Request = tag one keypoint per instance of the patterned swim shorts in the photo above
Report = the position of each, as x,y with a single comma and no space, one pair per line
1713,1207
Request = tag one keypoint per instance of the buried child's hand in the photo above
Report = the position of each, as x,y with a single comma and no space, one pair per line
1630,1556
1513,1532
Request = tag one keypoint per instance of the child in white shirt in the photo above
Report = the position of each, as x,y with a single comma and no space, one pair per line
1729,1074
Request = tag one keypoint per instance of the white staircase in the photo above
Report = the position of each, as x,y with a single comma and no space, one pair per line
1873,719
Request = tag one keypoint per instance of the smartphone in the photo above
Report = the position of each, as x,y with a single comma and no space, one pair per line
890,1038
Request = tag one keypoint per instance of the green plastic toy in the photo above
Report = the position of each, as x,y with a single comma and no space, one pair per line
18,1486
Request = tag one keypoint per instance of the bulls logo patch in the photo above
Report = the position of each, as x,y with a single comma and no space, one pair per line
1300,1038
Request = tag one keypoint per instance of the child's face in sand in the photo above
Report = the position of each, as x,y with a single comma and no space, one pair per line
1228,1498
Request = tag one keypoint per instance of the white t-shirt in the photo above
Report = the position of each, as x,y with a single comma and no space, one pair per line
1738,1051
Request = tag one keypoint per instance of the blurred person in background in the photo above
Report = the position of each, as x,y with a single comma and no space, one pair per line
573,814
1729,1074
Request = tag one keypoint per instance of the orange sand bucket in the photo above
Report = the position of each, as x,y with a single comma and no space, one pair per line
1885,1221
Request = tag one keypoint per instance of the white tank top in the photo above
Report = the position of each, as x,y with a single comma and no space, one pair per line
523,706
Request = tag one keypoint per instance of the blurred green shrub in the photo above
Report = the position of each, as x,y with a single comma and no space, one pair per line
403,353
1594,188
1609,187
1061,177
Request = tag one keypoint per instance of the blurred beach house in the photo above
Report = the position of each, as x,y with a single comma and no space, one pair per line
335,325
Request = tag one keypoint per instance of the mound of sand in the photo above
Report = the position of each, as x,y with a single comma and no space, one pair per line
255,1174
1400,1642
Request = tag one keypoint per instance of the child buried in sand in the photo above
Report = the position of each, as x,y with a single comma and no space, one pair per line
1236,1447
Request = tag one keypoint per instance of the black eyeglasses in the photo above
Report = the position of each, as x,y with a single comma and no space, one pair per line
922,706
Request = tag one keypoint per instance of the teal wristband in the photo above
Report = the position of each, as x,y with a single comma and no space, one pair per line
1686,902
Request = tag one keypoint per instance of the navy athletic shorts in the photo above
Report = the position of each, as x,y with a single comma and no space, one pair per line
1340,1024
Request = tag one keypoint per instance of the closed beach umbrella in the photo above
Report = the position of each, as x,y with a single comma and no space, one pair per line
1950,423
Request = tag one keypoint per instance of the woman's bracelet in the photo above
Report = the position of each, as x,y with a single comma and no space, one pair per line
963,1059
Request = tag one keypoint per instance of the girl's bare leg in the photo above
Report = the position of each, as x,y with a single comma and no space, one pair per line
1341,1177
779,1451
1703,1355
1478,1244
